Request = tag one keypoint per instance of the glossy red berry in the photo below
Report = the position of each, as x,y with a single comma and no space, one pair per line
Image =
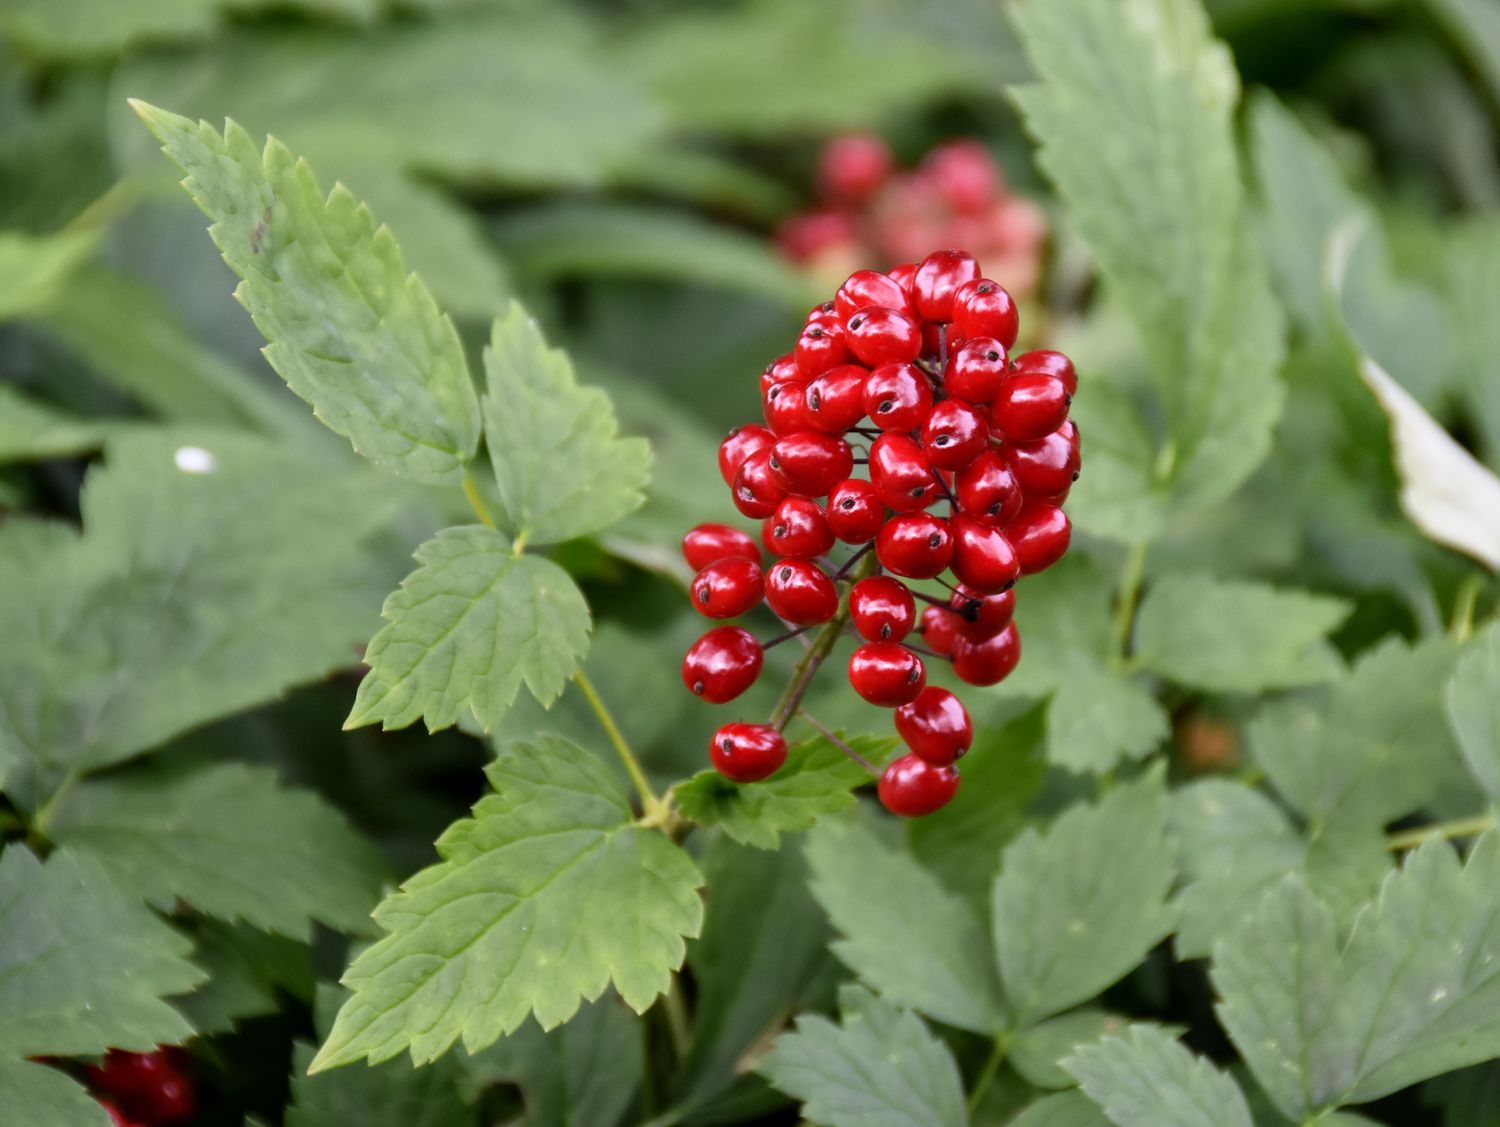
1049,466
747,753
785,408
982,308
1048,363
757,491
916,545
781,370
1031,406
912,787
865,288
855,511
709,543
977,370
936,726
886,673
988,662
798,529
982,556
978,615
800,592
149,1087
939,630
954,434
902,276
810,463
835,401
821,346
937,281
722,664
882,609
118,1118
964,175
852,166
987,489
738,445
897,397
728,588
884,336
1040,534
901,473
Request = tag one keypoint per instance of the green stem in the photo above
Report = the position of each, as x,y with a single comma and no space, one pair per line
838,743
476,499
1459,827
1125,603
652,806
822,646
43,817
677,1022
988,1073
1464,605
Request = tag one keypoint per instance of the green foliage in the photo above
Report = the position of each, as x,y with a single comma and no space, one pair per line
34,267
48,1096
1472,702
1143,1078
546,895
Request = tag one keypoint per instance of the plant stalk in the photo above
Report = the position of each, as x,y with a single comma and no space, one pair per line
822,646
1439,831
1126,601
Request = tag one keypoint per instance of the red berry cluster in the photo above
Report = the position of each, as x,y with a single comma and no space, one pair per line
914,368
868,211
144,1089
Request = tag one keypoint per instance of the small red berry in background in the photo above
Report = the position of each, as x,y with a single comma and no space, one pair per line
152,1089
906,458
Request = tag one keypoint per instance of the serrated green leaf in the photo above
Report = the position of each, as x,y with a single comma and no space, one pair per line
1144,1078
1472,702
248,973
1369,747
1098,717
817,779
34,267
1133,113
1118,496
561,466
832,1070
380,363
1065,1109
227,569
228,840
83,966
1075,912
466,629
1236,636
542,898
1037,1053
954,981
40,1096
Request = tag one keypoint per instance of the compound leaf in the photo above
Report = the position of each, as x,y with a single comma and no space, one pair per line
1144,1078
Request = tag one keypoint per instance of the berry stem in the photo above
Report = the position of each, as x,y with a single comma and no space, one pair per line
1440,831
988,1073
1126,600
776,641
822,646
943,484
843,572
931,600
652,807
925,652
838,743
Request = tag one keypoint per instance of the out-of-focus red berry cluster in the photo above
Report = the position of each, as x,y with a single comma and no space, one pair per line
912,368
869,212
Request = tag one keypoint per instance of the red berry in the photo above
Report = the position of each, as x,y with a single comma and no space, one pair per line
939,630
855,511
916,545
800,592
810,463
1049,466
884,336
897,397
740,443
798,529
954,434
1048,363
936,726
709,543
886,673
820,347
1040,534
823,314
784,407
988,662
912,787
938,279
781,370
173,1101
987,489
835,401
728,588
982,308
852,166
757,491
747,753
901,473
978,616
964,175
864,288
982,557
804,237
977,371
882,609
902,275
152,1087
1031,406
722,664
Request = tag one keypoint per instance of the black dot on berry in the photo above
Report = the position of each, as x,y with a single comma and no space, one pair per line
992,356
847,503
1009,583
919,491
934,540
785,573
697,688
816,333
856,322
886,407
985,289
727,745
775,465
912,675
885,630
814,400
1075,475
827,307
941,440
969,612
779,531
703,595
1067,400
994,510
